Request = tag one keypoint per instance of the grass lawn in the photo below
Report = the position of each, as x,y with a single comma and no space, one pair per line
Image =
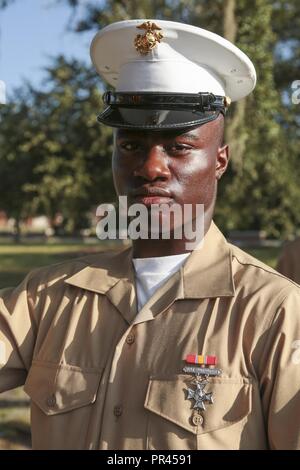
15,262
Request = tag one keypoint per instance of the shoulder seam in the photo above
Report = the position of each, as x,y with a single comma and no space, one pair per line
275,273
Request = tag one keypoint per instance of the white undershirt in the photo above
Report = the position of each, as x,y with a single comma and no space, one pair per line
151,273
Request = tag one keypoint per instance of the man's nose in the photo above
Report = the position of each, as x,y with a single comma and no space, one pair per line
153,165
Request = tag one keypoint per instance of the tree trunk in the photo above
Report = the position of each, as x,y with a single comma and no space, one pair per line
234,124
17,230
230,25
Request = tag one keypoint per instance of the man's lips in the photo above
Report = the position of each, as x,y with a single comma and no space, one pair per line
151,195
149,200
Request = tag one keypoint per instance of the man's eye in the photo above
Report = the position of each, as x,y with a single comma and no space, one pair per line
178,148
129,146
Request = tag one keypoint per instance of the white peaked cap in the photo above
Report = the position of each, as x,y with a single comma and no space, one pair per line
188,59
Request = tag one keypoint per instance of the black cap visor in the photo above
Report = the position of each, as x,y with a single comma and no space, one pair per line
154,119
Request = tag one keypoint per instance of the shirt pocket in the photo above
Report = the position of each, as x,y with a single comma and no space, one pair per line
62,405
174,424
61,388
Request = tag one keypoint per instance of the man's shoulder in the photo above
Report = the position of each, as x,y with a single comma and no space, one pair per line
259,274
59,272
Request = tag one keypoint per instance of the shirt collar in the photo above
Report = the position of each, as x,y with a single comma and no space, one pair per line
207,273
208,270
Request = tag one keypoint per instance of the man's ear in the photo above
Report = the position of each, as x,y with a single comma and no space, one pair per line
222,161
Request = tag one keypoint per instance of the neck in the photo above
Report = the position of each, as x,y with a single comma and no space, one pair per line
149,248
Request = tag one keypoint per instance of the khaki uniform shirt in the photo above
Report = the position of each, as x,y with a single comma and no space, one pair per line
101,376
289,261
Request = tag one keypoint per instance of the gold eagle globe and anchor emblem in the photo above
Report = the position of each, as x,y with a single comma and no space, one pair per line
144,43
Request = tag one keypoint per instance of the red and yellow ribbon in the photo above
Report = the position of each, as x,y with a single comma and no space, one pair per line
201,359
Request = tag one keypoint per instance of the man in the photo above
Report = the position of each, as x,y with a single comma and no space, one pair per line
289,260
160,346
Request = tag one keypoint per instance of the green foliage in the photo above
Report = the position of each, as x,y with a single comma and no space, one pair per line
66,152
261,191
74,170
99,14
16,164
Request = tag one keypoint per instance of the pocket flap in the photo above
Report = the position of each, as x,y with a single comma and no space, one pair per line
168,399
57,388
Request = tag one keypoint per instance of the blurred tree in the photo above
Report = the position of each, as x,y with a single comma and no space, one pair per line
74,165
54,157
260,191
5,3
286,26
16,164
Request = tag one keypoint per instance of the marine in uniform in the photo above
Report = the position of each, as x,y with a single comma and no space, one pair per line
155,346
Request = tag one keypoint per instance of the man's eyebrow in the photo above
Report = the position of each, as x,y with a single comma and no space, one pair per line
133,134
192,137
188,136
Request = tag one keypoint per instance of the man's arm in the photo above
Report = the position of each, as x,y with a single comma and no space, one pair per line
280,374
17,335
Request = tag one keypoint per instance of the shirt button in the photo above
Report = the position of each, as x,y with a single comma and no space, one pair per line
51,401
118,410
197,419
130,338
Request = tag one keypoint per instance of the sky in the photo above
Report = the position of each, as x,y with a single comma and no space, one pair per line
32,31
